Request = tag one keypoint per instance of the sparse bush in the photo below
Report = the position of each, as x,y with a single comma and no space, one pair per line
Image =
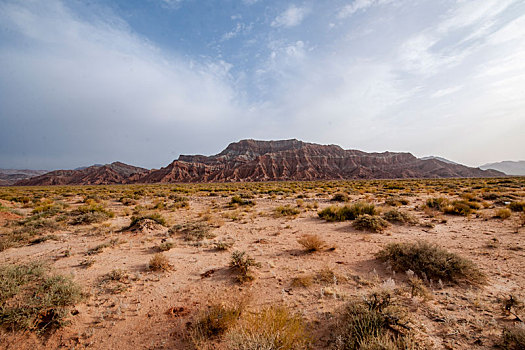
340,197
159,262
400,217
428,260
159,219
33,299
517,206
223,245
165,246
285,210
237,200
347,212
396,201
372,223
302,281
373,323
312,243
458,208
241,263
274,328
194,231
214,321
437,203
502,213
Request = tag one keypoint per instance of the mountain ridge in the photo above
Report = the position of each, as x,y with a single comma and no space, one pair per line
279,160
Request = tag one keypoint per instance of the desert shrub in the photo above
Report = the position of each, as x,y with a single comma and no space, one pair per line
159,262
372,323
340,197
397,216
463,208
347,212
159,219
241,263
194,231
31,298
274,328
513,338
502,213
89,214
238,201
165,246
214,321
428,260
312,243
285,210
223,245
302,281
396,201
437,203
517,206
372,223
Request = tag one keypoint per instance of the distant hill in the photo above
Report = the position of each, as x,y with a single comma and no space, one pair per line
11,176
114,173
439,158
253,160
508,167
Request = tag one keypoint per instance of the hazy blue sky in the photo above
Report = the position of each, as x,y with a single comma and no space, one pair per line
142,81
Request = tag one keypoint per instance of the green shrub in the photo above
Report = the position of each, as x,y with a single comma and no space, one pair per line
428,260
33,299
372,223
347,212
241,263
236,201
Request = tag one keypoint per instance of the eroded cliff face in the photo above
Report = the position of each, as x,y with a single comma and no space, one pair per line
252,160
114,173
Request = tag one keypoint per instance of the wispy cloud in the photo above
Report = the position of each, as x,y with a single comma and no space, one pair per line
359,5
291,17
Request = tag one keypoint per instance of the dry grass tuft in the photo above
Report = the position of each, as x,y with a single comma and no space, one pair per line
274,328
372,223
159,262
312,243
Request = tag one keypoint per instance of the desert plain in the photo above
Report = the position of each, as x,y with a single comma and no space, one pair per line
268,265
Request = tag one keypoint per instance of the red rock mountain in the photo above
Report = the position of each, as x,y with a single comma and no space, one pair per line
114,173
251,160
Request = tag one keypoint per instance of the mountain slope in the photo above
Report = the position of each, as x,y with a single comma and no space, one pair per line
114,173
508,167
11,176
251,160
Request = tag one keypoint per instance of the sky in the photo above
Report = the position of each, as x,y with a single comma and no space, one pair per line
142,81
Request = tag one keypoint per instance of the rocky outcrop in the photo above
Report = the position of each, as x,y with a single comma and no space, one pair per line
114,173
251,160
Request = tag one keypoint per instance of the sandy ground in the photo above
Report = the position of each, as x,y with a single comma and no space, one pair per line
151,309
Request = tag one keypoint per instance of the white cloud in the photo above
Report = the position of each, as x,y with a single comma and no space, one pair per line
359,5
291,17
